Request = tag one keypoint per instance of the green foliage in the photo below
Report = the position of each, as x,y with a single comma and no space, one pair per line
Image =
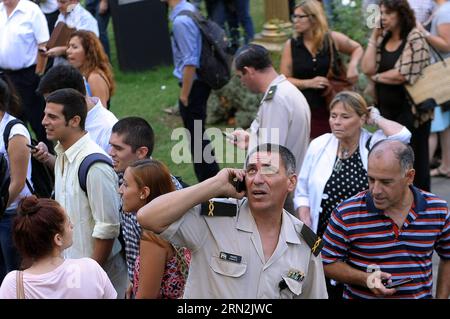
233,104
349,20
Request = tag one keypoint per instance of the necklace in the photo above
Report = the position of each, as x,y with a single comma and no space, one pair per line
345,154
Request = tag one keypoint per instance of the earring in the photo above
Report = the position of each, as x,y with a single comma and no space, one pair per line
142,197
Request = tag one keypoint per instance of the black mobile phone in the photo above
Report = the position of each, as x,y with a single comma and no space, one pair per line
398,283
32,147
239,185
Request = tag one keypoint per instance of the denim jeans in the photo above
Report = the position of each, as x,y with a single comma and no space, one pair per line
102,19
220,11
9,257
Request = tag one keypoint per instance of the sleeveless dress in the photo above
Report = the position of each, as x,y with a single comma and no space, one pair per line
305,66
174,277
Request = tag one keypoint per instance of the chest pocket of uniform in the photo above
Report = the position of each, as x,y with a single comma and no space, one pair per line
227,268
294,288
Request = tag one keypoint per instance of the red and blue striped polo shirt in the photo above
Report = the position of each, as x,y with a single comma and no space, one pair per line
363,237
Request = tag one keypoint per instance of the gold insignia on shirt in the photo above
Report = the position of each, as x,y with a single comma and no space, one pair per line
297,275
211,208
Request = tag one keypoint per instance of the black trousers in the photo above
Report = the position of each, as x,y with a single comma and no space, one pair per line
419,143
194,118
26,82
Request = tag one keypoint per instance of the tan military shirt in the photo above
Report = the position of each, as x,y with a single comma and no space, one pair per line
228,259
285,109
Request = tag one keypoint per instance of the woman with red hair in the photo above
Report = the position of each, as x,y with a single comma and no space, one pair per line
85,52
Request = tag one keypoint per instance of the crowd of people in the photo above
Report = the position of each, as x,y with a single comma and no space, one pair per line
333,200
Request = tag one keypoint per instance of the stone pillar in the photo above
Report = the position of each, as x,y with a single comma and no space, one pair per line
277,27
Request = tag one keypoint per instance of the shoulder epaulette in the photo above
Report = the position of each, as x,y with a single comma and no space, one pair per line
312,240
218,207
271,93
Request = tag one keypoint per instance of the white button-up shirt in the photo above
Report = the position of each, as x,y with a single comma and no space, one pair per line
248,274
20,34
99,123
93,216
80,19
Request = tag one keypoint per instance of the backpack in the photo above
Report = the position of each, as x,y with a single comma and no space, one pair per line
214,60
42,177
4,183
86,164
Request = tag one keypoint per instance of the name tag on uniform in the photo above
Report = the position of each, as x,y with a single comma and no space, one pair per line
230,257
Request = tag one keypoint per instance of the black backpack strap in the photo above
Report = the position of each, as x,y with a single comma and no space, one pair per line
7,131
368,143
86,164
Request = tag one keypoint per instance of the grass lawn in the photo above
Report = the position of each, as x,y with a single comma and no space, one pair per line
142,94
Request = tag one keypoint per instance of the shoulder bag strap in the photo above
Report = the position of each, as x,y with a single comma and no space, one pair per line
20,291
331,53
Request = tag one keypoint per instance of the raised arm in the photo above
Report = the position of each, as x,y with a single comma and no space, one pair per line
353,49
166,209
369,60
388,127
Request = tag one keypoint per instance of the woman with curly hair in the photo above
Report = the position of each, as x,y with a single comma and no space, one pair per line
396,55
85,52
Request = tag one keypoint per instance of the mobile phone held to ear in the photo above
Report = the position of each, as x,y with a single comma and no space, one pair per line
239,185
398,283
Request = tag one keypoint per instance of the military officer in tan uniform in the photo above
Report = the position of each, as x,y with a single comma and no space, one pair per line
256,250
284,115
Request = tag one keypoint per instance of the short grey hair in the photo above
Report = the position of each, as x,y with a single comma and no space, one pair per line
403,152
286,155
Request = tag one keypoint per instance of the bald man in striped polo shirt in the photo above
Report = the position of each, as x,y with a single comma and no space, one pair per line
389,232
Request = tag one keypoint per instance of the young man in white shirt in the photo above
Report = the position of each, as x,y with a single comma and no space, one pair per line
94,213
99,120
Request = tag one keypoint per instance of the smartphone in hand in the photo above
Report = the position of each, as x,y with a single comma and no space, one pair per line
398,283
32,147
239,185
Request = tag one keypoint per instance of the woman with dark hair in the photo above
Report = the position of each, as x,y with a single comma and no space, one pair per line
18,158
41,232
85,52
161,268
396,55
306,59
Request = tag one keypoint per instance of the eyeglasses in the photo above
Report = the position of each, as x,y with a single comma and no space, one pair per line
299,16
